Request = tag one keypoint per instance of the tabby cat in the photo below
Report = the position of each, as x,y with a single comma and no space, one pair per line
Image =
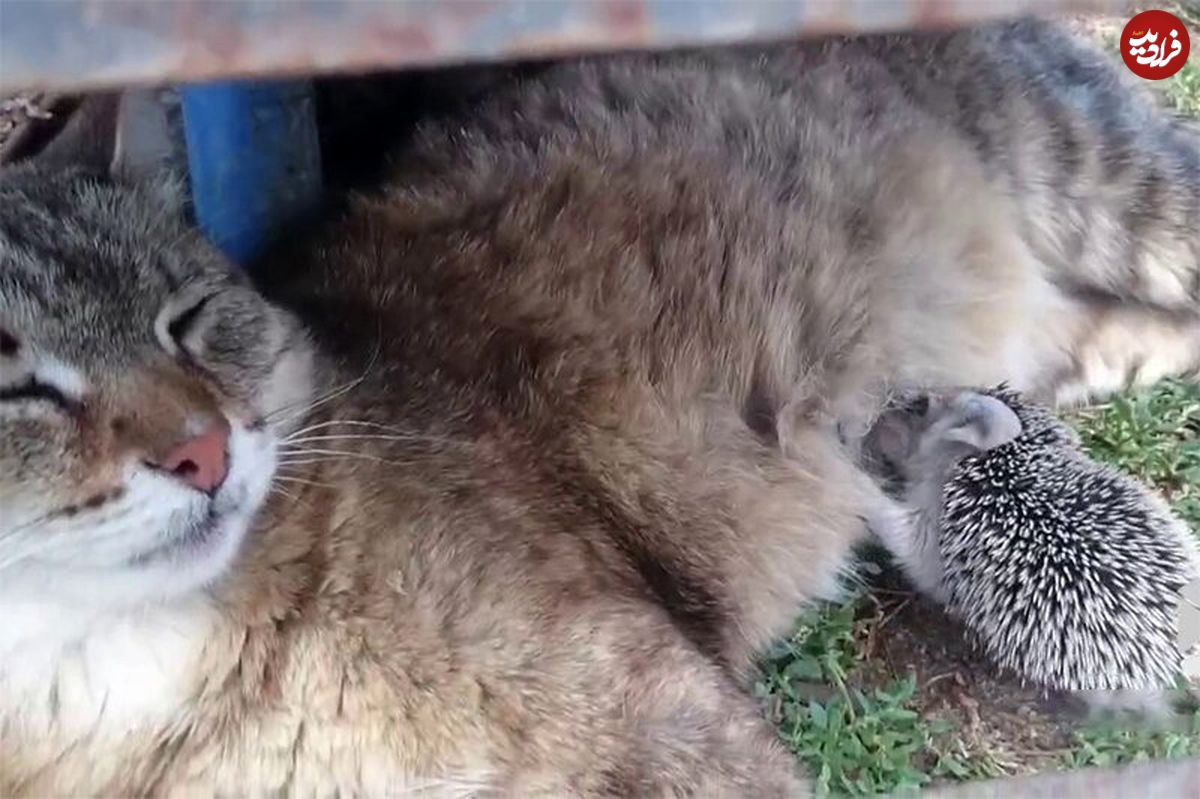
502,489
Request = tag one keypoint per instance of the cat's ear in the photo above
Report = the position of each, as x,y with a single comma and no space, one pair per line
127,135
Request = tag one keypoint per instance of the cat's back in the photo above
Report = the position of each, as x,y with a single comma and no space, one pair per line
668,214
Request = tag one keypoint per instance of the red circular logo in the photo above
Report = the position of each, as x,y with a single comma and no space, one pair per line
1155,45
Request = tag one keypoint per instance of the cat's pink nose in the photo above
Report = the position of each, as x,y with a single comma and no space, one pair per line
201,462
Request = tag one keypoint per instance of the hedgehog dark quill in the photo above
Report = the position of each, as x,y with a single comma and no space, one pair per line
1068,573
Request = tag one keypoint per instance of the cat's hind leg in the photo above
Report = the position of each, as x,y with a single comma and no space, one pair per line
1122,247
1116,346
648,714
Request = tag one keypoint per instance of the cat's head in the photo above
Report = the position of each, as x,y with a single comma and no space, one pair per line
141,379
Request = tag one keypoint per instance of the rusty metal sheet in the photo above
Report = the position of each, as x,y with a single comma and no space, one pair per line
72,44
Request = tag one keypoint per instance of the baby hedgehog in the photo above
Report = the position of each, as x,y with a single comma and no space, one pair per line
1067,572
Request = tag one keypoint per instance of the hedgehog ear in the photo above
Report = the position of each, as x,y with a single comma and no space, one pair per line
982,422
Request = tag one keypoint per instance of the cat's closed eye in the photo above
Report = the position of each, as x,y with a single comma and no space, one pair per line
33,390
26,389
27,378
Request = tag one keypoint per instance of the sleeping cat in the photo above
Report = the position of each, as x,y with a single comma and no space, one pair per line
499,492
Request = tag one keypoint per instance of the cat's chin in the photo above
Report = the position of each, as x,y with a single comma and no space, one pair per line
193,559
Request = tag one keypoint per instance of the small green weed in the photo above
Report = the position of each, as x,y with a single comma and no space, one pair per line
821,649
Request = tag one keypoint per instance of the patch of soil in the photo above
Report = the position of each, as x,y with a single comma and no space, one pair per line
1016,728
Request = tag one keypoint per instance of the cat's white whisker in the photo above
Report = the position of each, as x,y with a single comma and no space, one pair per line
282,414
309,461
301,481
18,549
283,492
372,437
349,423
28,543
341,453
296,410
300,462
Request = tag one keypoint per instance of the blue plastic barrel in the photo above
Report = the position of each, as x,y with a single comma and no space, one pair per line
254,160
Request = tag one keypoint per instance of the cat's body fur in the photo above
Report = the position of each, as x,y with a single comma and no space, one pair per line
570,451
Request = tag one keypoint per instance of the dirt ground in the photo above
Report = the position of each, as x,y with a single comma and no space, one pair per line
1016,729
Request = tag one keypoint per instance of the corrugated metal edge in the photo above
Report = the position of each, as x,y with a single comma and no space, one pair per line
88,44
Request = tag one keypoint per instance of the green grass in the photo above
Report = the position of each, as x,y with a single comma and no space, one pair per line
1155,436
1109,744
